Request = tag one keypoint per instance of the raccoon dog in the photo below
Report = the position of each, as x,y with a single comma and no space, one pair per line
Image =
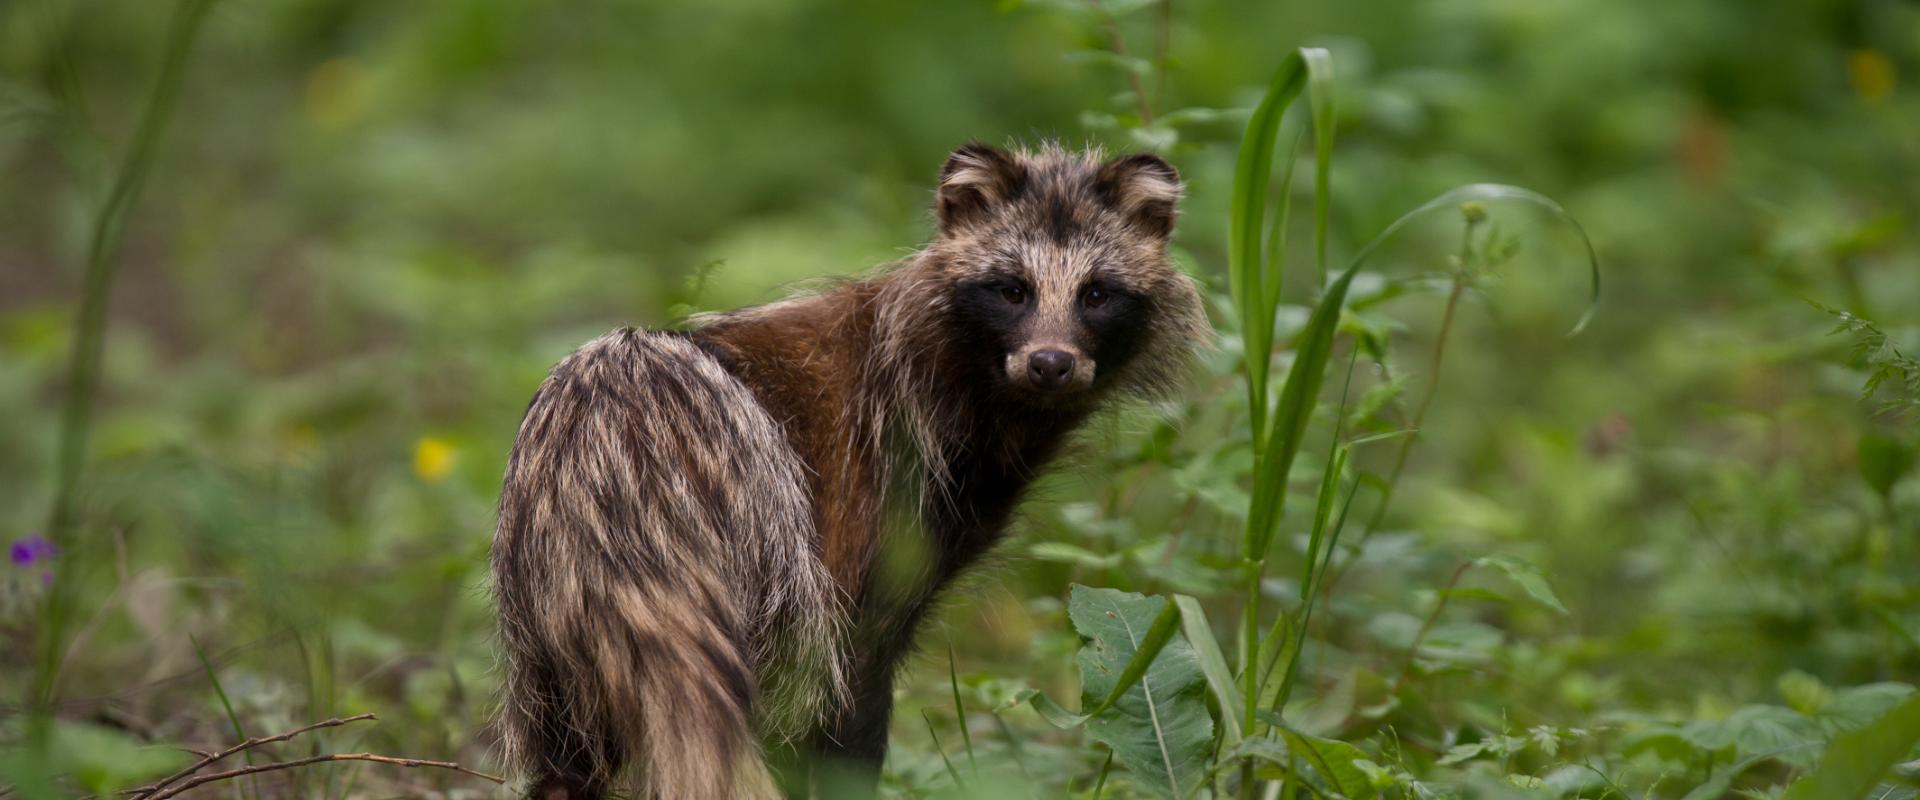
714,545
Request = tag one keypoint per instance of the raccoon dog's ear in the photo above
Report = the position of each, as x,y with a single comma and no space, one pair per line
1144,188
975,178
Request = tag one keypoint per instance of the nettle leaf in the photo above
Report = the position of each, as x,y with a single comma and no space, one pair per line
1858,759
1527,576
1159,728
1855,706
1757,731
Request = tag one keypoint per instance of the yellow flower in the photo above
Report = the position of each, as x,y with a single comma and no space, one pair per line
433,458
1872,75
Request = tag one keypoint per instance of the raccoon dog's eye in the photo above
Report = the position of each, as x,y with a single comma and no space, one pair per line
1095,297
1015,294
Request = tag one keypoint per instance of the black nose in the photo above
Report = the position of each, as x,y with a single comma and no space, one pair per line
1050,369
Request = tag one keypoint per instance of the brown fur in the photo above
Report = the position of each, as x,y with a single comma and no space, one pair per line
722,539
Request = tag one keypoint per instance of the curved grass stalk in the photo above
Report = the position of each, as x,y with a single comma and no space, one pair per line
83,373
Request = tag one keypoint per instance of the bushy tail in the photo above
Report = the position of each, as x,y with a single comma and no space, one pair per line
654,560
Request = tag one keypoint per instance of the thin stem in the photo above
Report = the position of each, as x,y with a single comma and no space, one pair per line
1249,664
1163,49
1413,428
1143,102
1426,402
83,374
1425,626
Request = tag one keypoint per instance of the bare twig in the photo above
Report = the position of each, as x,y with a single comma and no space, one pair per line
303,762
206,760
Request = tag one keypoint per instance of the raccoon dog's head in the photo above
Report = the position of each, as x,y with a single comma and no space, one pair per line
1057,273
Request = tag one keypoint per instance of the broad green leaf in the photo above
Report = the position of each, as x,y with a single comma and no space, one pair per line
1755,730
1857,760
1856,706
1525,575
1155,720
103,759
1334,761
1142,648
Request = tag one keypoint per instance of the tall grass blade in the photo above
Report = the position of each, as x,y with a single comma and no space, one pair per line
1297,400
960,708
1213,664
1253,173
937,748
213,677
1161,632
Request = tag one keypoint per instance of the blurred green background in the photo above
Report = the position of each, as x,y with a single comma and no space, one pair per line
371,227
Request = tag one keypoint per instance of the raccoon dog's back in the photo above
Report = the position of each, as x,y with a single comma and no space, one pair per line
645,487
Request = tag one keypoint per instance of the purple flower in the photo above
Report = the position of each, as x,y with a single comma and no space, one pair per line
30,549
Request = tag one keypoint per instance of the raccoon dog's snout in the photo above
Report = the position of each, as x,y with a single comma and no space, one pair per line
1050,369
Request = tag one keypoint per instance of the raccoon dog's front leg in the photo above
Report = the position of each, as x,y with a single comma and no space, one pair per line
662,604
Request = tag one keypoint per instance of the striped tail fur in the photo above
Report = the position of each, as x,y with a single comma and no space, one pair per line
664,609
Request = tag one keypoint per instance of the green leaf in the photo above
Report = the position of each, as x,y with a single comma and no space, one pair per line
1716,787
1856,706
1155,719
1050,711
1334,761
1804,693
1525,575
1883,461
1755,730
1258,748
1297,399
1213,664
1857,760
103,759
1253,173
1073,554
